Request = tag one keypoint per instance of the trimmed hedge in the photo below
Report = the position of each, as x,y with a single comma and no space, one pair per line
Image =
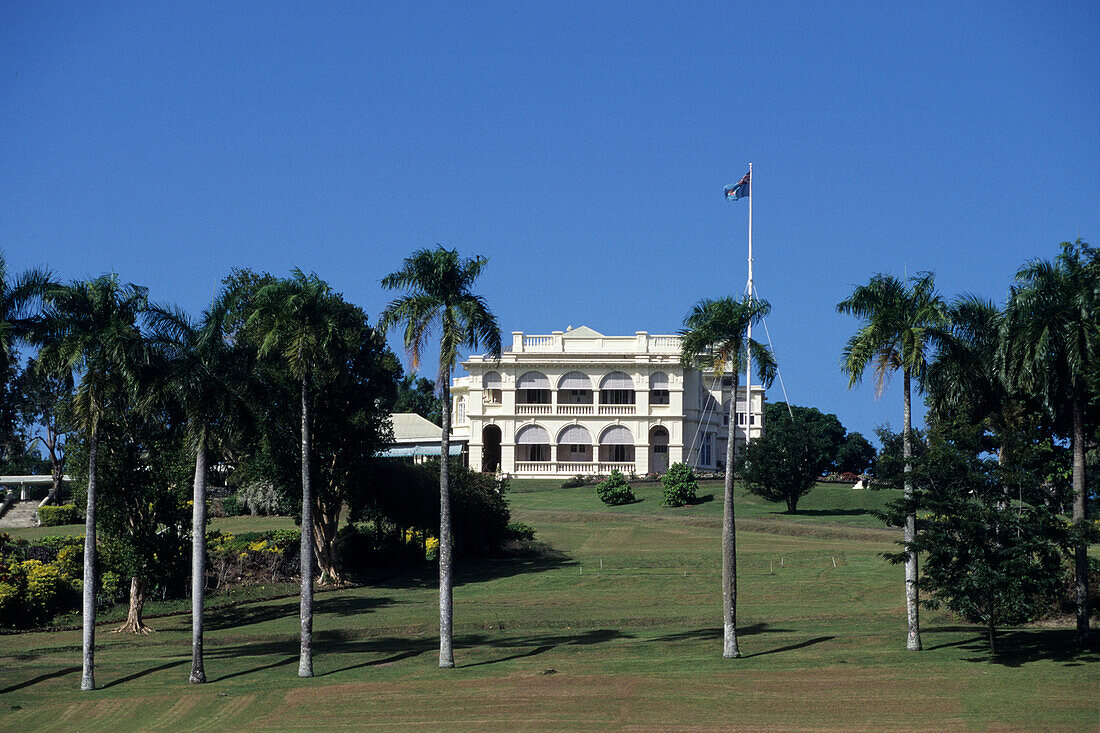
55,516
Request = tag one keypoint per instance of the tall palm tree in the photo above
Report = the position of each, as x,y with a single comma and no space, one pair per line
204,376
1050,347
437,285
91,329
901,323
293,320
715,333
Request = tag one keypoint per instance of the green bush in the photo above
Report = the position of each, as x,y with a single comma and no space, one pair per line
680,485
576,482
520,532
55,516
615,490
233,506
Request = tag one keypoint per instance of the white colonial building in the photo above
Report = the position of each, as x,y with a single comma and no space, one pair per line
578,402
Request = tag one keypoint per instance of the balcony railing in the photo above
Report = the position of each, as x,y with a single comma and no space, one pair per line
616,410
570,468
533,409
574,409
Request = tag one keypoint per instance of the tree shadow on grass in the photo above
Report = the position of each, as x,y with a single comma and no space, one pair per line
530,646
480,570
144,672
1017,648
40,678
823,513
715,632
792,647
704,499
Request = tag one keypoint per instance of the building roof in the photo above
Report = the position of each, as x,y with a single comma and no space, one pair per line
408,427
582,332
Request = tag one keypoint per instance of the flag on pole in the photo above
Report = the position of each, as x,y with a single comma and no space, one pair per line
739,190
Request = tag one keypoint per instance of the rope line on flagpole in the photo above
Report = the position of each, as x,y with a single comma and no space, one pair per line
778,373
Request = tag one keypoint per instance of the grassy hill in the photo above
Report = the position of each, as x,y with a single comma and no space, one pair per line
617,626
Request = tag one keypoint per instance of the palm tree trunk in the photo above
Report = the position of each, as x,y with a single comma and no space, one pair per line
1080,513
198,563
305,657
446,599
729,540
87,679
911,609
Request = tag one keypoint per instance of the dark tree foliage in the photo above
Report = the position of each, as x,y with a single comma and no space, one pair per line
890,462
45,411
417,394
987,560
784,464
855,454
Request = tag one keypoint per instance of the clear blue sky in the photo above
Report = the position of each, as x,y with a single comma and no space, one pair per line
582,147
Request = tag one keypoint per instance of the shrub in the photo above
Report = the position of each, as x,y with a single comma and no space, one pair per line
614,490
680,485
45,589
261,498
521,532
232,506
576,482
55,516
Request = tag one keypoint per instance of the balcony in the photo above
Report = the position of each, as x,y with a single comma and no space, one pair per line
568,468
533,409
617,410
574,409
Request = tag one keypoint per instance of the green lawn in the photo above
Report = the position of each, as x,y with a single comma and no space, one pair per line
618,628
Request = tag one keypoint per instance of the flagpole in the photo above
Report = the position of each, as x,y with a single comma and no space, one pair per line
748,332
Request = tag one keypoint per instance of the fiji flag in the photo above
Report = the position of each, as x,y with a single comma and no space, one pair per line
739,190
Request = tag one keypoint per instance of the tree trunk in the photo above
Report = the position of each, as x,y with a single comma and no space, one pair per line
325,527
911,608
992,636
446,599
198,564
87,679
1080,515
729,537
134,624
305,657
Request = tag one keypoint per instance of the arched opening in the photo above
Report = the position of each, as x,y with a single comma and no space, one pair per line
533,444
490,448
460,411
658,449
492,388
617,388
658,389
575,388
533,388
617,445
574,445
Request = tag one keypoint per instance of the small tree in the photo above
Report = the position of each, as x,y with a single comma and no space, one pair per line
614,490
855,454
989,562
680,485
784,464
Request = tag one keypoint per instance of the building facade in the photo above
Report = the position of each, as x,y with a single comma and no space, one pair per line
577,402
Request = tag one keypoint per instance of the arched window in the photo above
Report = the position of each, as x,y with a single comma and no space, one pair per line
493,387
533,388
575,444
617,445
658,388
617,388
575,388
532,443
460,411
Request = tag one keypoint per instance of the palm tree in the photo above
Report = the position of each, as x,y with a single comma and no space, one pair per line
19,300
715,333
1050,346
901,323
437,286
203,376
294,320
91,329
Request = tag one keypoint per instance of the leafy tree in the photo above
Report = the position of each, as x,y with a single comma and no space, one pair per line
91,329
294,321
900,323
417,394
680,485
437,285
47,401
855,454
785,463
715,335
1050,347
988,562
890,463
